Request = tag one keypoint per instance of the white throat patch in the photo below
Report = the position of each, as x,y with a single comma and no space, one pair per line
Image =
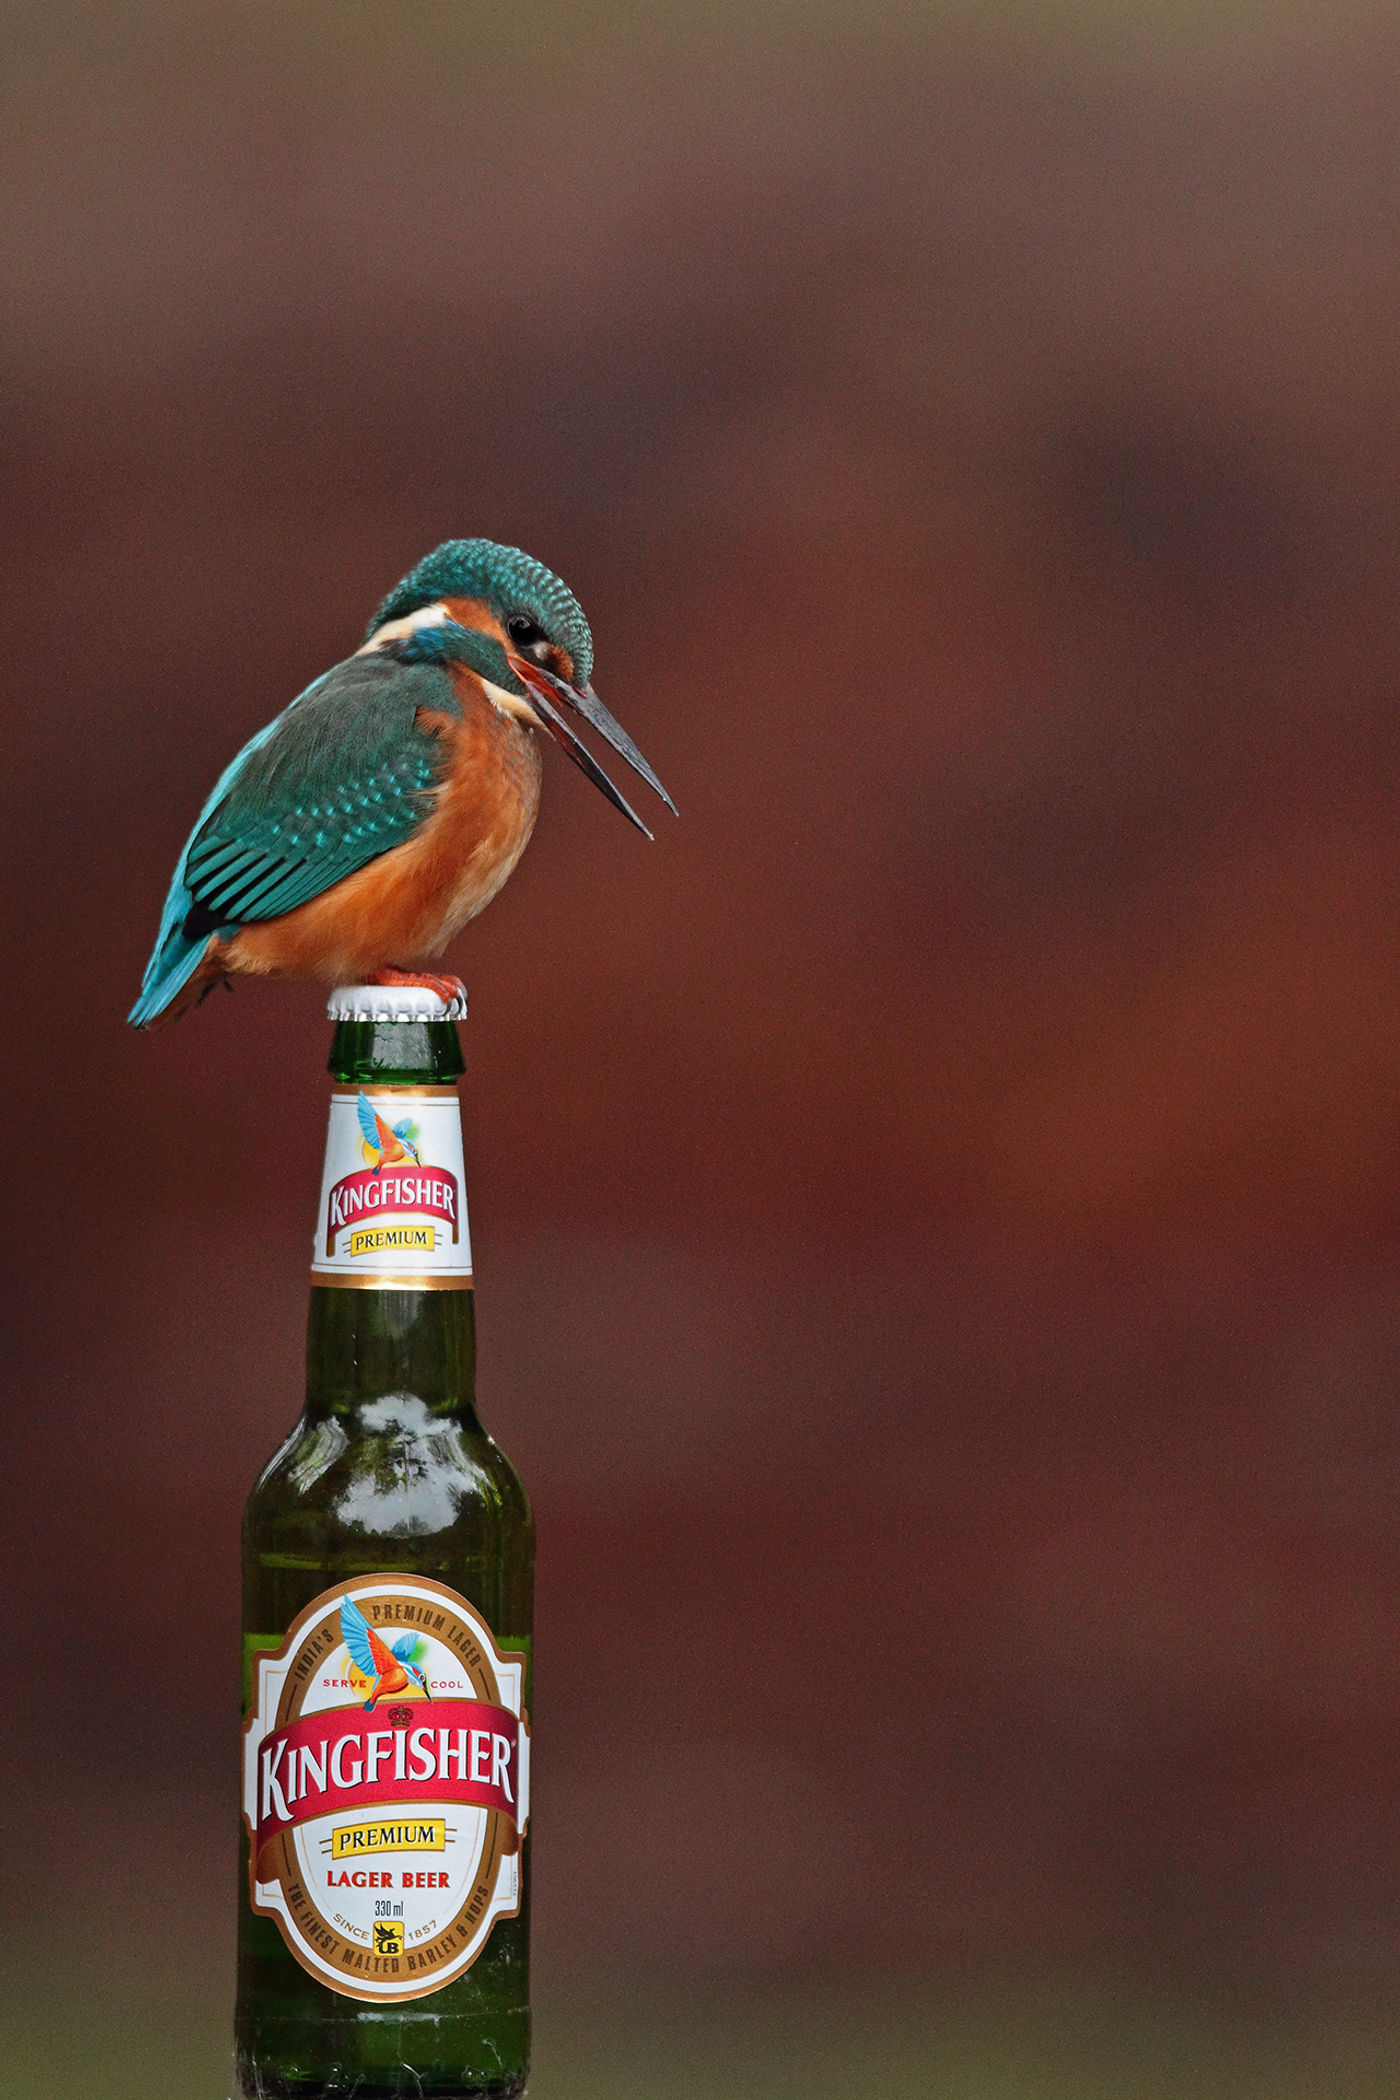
512,704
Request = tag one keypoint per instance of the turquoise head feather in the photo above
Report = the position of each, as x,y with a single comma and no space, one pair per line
512,582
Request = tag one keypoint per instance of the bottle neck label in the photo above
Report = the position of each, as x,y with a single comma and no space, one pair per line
393,1210
386,1786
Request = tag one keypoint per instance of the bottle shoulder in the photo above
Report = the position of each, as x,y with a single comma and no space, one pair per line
392,1468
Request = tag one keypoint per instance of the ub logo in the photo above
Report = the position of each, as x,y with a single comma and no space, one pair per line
388,1937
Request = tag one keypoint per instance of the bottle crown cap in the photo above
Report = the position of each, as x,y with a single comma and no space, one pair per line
393,1002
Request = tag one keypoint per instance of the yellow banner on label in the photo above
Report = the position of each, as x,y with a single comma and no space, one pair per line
414,1836
388,1239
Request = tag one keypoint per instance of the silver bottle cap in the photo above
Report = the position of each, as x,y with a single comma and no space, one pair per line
393,1002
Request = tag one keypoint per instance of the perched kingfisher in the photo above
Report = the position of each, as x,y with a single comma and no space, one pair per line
359,831
389,1670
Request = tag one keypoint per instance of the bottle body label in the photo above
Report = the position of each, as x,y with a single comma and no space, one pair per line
386,1777
393,1212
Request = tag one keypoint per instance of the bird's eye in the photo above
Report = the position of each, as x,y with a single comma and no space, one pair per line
524,631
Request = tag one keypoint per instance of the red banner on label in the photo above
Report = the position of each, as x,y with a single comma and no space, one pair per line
377,1192
447,1750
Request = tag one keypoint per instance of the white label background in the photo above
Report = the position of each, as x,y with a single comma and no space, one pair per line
439,1145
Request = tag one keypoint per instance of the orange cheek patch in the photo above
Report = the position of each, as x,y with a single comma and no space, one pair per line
475,612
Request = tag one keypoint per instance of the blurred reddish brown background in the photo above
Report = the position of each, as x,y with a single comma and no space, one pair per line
936,1209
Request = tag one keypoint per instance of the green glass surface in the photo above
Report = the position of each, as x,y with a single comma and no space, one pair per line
388,1471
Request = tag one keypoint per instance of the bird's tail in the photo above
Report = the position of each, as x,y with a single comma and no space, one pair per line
176,959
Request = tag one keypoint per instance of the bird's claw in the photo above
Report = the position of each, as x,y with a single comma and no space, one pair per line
447,988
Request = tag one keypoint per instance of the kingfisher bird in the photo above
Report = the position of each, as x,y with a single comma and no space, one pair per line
358,832
389,1668
385,1144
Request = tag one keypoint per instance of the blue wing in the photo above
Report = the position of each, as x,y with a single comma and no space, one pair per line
369,1129
354,1631
403,1131
176,954
402,1649
342,775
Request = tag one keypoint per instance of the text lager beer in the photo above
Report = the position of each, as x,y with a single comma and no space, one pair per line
388,1558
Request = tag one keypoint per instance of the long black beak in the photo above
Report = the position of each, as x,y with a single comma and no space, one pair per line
542,685
592,709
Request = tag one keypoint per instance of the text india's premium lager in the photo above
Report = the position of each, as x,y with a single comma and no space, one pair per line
388,1559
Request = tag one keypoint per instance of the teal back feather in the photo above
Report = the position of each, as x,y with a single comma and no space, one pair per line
341,776
348,775
509,580
176,955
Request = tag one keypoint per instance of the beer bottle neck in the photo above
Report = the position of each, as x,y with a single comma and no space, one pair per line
391,1337
390,1357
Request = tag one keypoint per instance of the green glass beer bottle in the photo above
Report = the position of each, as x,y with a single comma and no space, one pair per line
388,1561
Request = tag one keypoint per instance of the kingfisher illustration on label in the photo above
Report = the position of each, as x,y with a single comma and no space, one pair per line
392,1210
386,1785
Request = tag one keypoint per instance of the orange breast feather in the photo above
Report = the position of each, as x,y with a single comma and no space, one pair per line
403,908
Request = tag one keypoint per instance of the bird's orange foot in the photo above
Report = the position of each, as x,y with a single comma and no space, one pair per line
447,988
